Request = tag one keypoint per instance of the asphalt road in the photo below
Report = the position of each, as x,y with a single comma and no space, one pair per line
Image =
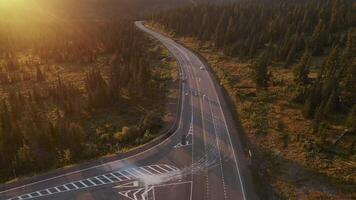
210,165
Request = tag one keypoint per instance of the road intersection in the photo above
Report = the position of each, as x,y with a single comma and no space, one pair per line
210,165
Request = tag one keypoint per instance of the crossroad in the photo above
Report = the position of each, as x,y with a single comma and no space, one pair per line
108,178
202,160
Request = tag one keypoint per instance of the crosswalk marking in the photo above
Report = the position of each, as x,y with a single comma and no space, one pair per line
90,181
147,171
112,174
85,185
138,171
130,173
154,169
113,177
102,182
162,169
123,175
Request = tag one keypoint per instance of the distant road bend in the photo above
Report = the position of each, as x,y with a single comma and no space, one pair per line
202,160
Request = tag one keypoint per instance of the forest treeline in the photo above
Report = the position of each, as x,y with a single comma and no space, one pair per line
288,33
44,123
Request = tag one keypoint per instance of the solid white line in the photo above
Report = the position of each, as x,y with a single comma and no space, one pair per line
201,111
176,183
218,146
230,141
153,191
192,131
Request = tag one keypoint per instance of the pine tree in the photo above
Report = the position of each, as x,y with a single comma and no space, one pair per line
261,71
313,100
302,69
229,32
331,67
292,50
219,31
318,38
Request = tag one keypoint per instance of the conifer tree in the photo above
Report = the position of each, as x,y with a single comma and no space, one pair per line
261,71
302,69
318,38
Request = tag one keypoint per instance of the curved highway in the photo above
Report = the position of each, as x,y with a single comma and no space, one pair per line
202,160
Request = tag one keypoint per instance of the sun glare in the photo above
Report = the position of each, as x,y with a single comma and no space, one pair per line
21,10
11,3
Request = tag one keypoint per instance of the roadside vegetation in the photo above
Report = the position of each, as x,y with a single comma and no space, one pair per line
73,94
290,71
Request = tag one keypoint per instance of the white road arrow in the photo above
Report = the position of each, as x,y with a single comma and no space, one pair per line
137,194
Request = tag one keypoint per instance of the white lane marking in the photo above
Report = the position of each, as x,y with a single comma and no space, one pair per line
116,176
165,39
161,168
73,184
85,185
154,169
148,172
108,178
192,133
173,168
203,120
98,179
173,184
130,184
144,195
153,193
102,179
67,188
94,184
191,129
123,175
136,194
226,127
219,150
138,171
131,173
180,145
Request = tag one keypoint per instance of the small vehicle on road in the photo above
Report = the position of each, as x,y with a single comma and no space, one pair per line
184,139
202,68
